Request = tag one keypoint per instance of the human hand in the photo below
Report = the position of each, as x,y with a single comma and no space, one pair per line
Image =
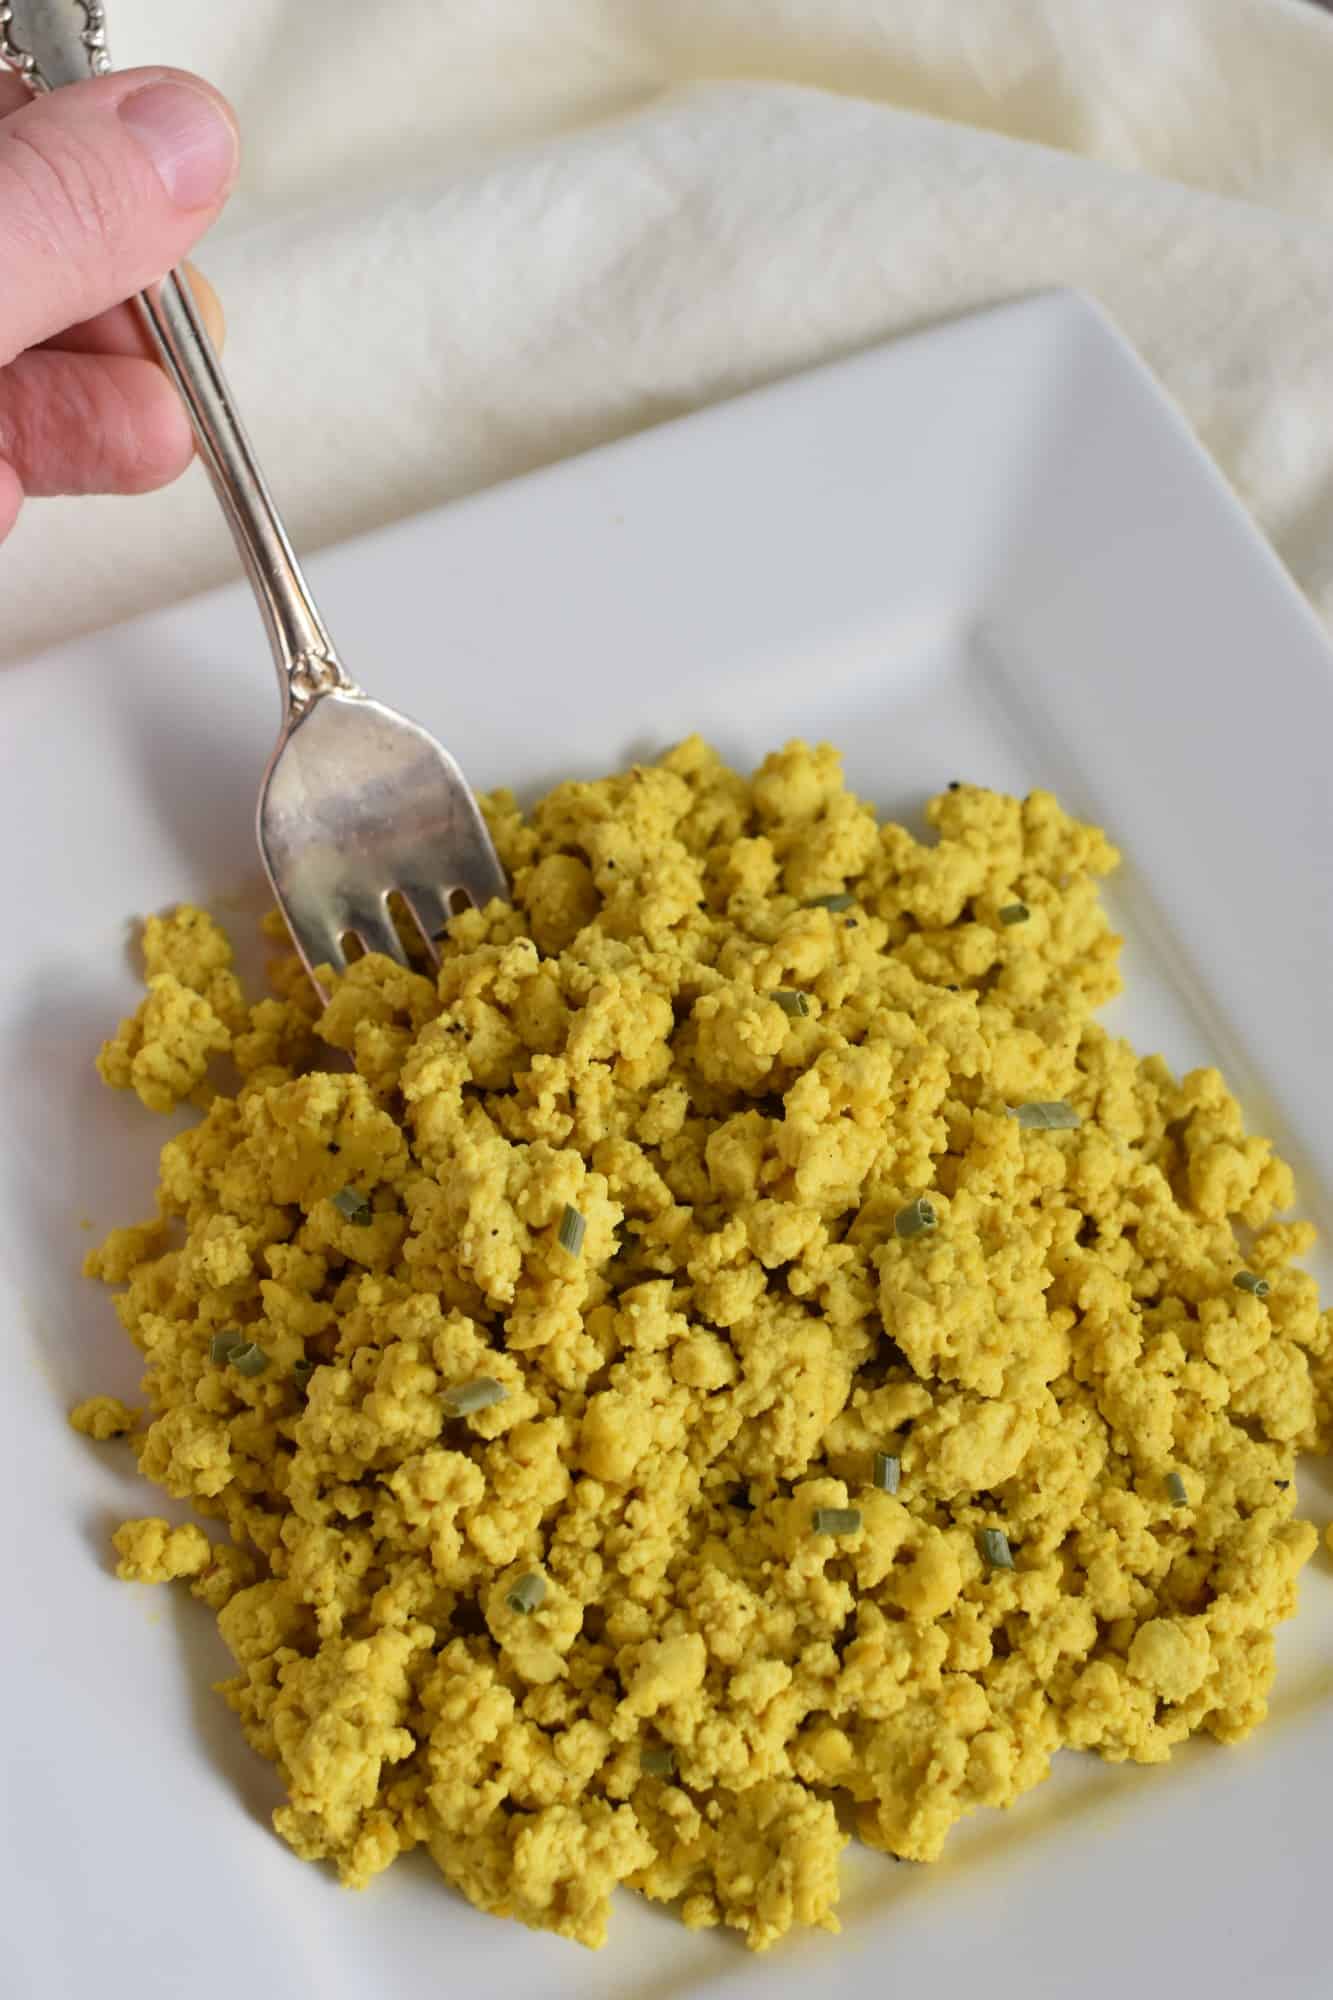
104,186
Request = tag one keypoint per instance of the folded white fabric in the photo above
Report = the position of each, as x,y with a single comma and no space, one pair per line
473,239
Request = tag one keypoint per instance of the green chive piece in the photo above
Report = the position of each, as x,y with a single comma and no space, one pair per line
658,1760
465,1397
842,901
249,1358
353,1206
1015,913
303,1369
1175,1487
223,1345
527,1593
995,1549
571,1231
887,1472
836,1520
915,1219
791,1002
1247,1281
1053,1116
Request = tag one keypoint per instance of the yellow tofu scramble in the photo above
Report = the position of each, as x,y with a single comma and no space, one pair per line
738,1355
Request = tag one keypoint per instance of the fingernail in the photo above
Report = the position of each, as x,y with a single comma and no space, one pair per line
189,139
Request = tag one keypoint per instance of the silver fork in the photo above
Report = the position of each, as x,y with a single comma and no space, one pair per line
357,802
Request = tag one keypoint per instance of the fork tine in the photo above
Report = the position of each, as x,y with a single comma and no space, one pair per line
430,907
316,937
375,927
479,874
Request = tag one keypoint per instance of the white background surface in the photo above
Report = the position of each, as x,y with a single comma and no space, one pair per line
475,237
991,552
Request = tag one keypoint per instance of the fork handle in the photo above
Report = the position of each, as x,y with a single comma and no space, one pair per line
302,649
56,42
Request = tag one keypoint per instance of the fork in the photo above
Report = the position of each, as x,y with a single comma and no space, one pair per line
357,803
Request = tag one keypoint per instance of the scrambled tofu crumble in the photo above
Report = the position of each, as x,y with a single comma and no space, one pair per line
103,1417
740,1353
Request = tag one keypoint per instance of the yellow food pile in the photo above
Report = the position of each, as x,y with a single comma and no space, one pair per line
552,1365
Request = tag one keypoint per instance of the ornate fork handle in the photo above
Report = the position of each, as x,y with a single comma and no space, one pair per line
62,52
55,42
302,649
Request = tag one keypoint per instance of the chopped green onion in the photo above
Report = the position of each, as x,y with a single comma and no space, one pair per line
353,1206
1175,1487
248,1359
658,1760
1246,1281
1014,913
837,1520
887,1472
465,1397
570,1234
915,1219
303,1368
526,1594
842,901
1052,1116
223,1345
791,1002
995,1549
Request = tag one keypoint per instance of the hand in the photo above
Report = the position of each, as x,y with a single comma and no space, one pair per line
103,187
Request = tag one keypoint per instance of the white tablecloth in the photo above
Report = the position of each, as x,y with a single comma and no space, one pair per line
475,235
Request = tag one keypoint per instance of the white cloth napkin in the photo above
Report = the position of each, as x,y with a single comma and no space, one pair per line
476,235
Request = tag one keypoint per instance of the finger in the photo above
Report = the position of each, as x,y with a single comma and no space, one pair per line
103,186
13,92
120,331
90,423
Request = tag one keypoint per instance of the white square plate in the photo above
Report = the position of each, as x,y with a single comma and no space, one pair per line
989,551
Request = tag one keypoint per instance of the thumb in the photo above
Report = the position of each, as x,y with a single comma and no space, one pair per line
103,187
